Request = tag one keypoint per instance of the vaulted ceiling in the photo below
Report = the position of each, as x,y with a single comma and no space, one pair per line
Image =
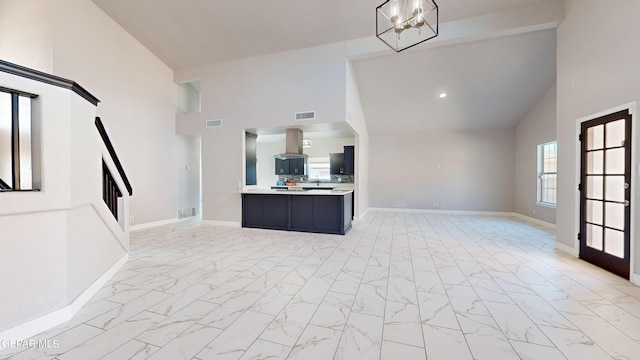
491,82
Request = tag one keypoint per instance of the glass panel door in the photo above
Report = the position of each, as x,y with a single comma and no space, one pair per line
605,192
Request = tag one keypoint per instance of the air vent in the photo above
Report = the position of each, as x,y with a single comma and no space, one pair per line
304,116
214,123
187,212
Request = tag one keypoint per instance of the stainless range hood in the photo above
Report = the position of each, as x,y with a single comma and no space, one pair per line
293,148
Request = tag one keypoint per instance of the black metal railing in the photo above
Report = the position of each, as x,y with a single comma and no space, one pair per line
110,190
4,185
112,153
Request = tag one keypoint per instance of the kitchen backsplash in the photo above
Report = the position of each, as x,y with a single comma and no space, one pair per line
334,178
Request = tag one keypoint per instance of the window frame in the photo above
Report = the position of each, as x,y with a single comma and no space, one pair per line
16,122
542,171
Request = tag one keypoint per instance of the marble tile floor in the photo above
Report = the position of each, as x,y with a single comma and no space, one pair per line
397,286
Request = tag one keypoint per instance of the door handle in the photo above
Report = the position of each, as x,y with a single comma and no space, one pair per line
626,203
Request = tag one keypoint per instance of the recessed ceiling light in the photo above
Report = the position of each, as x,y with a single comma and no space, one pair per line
443,95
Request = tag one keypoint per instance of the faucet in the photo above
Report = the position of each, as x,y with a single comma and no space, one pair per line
317,181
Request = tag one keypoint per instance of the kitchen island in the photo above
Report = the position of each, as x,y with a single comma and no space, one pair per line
317,211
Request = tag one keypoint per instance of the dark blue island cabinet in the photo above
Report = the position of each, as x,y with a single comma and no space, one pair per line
317,211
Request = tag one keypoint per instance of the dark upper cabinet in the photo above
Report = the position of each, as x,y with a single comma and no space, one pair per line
297,166
282,166
336,164
293,166
349,160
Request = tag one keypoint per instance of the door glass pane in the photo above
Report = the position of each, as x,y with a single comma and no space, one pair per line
594,187
5,138
614,188
615,161
614,215
614,242
594,212
594,236
615,133
595,137
595,163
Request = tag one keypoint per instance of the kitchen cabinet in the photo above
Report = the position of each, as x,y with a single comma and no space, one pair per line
292,166
297,166
336,164
265,211
349,160
329,213
282,166
342,163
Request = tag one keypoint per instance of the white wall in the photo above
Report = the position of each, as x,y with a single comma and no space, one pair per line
138,102
538,127
259,92
598,57
26,33
354,116
60,240
189,171
188,99
467,170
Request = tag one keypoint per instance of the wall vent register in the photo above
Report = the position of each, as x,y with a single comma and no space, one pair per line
304,116
214,123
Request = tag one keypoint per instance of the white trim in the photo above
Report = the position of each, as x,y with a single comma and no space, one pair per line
443,212
360,217
631,106
566,249
547,205
534,220
235,224
60,316
635,279
158,223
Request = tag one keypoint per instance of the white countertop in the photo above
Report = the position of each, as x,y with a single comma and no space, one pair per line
298,192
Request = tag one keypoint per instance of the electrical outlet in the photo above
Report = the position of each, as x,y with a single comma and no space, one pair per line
132,218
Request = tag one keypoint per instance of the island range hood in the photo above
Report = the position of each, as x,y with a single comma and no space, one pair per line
293,148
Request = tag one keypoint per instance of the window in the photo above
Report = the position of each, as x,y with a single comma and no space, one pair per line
17,170
547,173
319,169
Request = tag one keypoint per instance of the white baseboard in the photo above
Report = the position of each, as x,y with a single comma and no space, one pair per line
357,218
635,279
534,220
442,212
157,223
45,322
235,224
566,249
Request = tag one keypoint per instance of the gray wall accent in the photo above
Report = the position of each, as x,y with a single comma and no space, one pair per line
538,127
466,170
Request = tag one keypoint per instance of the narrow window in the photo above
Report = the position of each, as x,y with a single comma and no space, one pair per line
548,173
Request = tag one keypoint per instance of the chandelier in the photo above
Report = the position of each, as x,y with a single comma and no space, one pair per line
402,24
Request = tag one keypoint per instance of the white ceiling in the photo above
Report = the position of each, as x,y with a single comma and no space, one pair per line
490,83
197,32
